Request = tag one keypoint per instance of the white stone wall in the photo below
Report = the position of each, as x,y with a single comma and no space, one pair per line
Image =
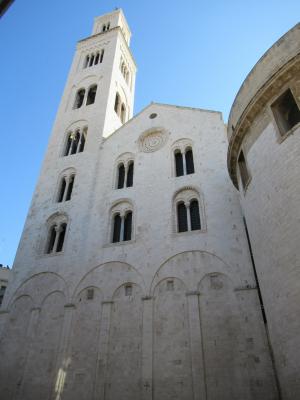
271,206
191,328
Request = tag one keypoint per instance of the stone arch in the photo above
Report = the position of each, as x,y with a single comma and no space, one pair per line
108,277
37,285
191,266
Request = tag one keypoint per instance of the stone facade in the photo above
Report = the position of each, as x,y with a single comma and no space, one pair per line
270,201
103,306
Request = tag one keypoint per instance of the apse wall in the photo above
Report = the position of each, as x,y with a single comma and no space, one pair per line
263,161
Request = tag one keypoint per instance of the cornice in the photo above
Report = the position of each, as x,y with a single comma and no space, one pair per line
258,102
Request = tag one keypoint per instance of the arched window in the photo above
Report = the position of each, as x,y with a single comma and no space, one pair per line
182,217
189,161
123,113
178,163
65,187
122,228
56,234
121,176
75,142
129,180
97,58
183,158
127,226
79,98
124,171
117,228
195,215
91,95
188,212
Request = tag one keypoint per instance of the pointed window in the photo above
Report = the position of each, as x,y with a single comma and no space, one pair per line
79,98
91,95
189,161
129,181
121,176
178,163
117,228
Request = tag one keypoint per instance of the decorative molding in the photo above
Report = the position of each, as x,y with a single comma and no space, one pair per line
152,140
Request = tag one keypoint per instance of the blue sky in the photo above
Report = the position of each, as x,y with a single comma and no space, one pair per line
191,53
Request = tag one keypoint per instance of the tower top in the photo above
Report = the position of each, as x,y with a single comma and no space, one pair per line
112,20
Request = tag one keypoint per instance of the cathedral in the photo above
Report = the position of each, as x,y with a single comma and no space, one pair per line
160,257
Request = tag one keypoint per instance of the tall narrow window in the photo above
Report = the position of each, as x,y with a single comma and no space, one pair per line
129,181
178,163
127,226
79,98
182,217
117,103
82,142
244,173
189,161
121,176
123,113
286,112
68,144
101,56
91,95
87,60
61,237
195,215
117,228
97,58
62,190
75,142
92,60
70,187
65,188
51,239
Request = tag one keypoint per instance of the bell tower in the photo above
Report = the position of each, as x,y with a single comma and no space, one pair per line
101,83
97,100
